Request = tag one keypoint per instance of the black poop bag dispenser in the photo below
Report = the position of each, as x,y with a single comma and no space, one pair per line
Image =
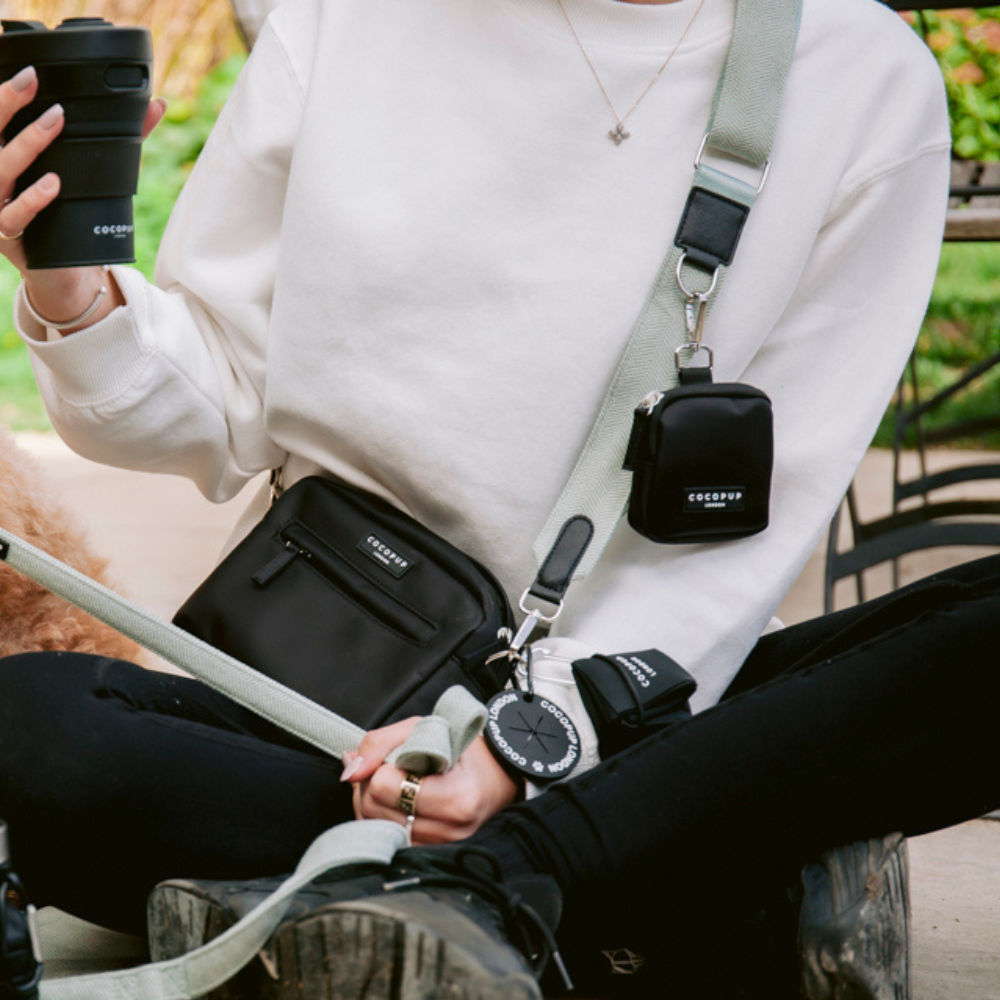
701,457
701,454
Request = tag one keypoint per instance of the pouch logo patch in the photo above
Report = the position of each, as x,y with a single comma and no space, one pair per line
385,555
715,498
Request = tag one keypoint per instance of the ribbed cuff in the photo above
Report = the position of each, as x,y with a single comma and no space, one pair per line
95,363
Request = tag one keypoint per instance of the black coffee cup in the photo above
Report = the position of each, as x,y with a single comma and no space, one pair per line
102,76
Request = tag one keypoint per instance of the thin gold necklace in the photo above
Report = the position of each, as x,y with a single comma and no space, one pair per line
619,133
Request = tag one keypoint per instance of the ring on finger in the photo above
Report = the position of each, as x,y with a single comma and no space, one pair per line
8,236
408,792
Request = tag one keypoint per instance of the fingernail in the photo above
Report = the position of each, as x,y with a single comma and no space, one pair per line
351,768
48,183
51,117
23,80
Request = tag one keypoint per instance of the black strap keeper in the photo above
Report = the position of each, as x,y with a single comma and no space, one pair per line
4,550
556,573
710,228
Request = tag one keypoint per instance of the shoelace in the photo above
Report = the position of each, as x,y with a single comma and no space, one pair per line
522,925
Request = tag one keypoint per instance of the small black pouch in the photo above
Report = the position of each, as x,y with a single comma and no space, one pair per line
629,696
701,457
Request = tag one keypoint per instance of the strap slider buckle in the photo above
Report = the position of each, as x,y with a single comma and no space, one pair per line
765,170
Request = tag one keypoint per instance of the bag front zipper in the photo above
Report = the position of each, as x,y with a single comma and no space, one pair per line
301,543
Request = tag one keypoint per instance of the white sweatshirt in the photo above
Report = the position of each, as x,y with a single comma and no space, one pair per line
411,256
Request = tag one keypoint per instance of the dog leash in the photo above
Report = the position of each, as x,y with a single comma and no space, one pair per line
435,743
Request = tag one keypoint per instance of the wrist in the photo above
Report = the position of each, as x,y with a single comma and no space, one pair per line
71,299
512,781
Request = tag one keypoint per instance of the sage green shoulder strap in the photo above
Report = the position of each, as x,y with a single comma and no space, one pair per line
744,119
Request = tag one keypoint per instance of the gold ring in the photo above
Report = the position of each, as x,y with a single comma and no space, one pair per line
3,235
408,793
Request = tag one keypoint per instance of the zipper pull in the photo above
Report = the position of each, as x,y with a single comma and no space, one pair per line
649,403
278,564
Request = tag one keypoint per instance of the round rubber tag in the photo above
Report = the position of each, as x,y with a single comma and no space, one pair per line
532,734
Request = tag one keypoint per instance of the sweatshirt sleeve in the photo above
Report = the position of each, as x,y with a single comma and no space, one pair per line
830,365
174,380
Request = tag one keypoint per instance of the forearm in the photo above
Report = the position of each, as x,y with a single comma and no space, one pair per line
149,388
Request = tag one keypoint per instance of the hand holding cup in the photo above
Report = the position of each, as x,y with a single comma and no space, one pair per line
66,185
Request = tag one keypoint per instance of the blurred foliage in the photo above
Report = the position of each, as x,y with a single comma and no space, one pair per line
966,43
20,405
962,327
190,37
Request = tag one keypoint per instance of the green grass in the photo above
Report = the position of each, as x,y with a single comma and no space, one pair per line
20,405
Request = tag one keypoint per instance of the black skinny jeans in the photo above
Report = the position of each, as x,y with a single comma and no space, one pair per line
874,719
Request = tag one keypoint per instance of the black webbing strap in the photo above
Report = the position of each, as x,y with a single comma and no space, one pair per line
694,375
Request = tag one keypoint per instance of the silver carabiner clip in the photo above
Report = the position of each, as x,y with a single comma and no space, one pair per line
695,321
534,617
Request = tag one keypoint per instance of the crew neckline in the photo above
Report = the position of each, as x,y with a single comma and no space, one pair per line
619,24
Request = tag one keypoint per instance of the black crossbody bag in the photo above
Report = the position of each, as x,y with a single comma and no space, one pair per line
351,602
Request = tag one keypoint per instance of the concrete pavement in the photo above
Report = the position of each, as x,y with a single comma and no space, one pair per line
162,538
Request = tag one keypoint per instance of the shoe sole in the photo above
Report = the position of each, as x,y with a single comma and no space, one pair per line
180,921
350,951
854,929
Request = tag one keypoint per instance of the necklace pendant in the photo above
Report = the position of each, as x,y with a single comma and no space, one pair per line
619,134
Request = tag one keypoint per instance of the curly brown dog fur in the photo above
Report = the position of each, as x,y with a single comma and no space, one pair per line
31,618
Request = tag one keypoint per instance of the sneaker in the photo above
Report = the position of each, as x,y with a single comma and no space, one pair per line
438,922
854,923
